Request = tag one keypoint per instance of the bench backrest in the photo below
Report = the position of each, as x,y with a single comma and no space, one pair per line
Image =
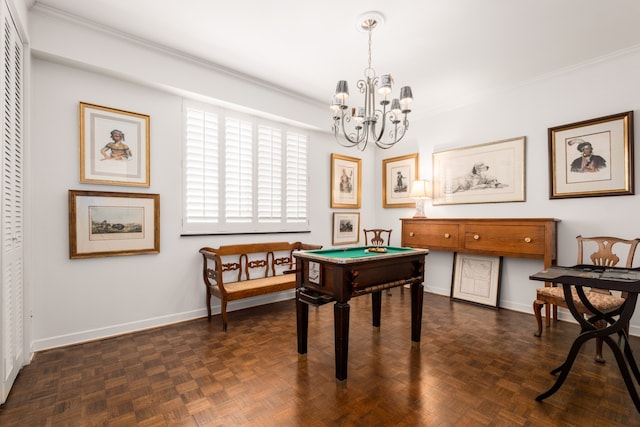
250,261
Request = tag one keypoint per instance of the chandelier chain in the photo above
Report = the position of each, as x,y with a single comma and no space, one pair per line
369,47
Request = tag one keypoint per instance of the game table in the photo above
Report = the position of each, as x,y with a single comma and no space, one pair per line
328,275
610,278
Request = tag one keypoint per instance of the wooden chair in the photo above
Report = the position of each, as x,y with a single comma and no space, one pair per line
601,299
376,237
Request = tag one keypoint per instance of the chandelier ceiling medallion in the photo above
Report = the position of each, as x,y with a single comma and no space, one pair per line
385,125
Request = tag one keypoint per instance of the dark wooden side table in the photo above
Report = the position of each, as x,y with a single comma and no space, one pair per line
615,279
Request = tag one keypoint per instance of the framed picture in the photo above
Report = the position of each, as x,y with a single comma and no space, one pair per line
346,228
592,158
485,173
114,146
108,224
398,174
346,175
476,279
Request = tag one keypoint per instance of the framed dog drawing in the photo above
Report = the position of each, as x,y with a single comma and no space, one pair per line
485,173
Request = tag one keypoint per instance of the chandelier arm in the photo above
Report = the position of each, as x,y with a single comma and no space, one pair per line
399,130
353,139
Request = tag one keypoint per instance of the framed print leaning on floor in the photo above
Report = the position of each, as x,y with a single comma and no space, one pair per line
592,158
476,279
114,146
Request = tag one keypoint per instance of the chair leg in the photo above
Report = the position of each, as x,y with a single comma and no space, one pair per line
599,357
537,310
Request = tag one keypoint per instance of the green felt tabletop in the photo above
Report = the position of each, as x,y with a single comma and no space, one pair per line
358,252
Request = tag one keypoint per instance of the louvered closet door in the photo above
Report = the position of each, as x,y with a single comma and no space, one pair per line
12,304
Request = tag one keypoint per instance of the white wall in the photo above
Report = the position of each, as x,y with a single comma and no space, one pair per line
78,300
592,91
82,299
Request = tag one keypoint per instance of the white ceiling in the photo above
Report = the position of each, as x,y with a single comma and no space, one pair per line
448,51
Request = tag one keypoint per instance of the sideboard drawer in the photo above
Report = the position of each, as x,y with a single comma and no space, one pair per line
506,239
533,238
433,237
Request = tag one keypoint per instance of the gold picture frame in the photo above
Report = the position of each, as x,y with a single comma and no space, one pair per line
346,228
114,146
592,158
346,181
103,223
398,174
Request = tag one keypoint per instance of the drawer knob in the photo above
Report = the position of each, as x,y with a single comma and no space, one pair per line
447,235
527,239
411,234
476,237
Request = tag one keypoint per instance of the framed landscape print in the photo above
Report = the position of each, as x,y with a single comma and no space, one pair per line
346,228
485,173
108,224
114,146
476,278
346,187
592,158
398,174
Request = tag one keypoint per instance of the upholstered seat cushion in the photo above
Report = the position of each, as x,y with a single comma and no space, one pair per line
603,302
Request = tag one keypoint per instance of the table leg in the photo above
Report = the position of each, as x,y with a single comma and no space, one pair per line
624,356
566,366
341,331
417,297
302,323
623,363
376,307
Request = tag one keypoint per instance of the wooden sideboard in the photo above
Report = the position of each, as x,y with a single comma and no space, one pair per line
509,237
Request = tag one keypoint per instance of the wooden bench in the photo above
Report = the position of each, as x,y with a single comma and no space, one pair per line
234,272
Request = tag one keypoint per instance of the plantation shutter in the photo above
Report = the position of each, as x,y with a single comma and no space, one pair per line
238,171
201,167
296,177
269,174
242,174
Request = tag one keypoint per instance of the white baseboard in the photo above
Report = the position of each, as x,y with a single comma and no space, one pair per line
125,328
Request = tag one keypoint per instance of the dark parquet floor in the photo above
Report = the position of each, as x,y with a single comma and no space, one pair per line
475,367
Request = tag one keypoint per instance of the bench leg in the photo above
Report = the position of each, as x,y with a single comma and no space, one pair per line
223,311
208,304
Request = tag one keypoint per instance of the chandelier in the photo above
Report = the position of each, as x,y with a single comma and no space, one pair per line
385,125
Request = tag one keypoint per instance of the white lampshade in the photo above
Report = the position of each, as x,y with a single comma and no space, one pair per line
421,189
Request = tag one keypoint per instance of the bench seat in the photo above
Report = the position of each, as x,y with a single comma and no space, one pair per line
235,272
261,286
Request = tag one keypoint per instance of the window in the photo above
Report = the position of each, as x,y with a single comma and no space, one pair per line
242,174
